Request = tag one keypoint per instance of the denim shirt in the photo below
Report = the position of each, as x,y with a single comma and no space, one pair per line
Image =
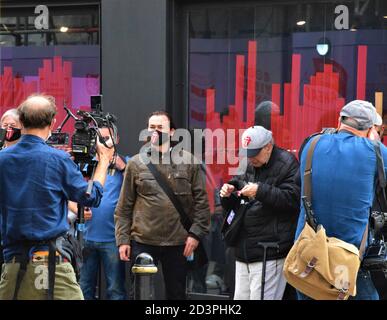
36,181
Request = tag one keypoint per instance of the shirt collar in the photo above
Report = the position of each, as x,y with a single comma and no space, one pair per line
31,138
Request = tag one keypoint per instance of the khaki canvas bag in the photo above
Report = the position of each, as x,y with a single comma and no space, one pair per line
321,267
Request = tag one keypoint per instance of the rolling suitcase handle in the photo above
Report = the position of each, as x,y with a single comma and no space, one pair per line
265,246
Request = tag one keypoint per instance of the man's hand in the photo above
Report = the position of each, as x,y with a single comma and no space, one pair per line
190,245
87,213
226,190
120,164
249,190
124,252
104,154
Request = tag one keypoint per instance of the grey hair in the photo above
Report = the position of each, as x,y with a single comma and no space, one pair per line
352,123
10,113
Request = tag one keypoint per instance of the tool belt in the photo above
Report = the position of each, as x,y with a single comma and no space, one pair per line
60,250
42,256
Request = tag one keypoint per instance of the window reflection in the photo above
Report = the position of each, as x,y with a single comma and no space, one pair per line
62,61
243,57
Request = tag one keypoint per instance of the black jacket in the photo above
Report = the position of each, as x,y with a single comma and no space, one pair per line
273,214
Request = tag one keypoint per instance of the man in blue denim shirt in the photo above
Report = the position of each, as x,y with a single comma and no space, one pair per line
343,183
36,183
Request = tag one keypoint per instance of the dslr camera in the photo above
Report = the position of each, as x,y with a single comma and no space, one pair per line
375,257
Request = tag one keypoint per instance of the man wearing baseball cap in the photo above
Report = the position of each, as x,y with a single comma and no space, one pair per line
271,185
343,182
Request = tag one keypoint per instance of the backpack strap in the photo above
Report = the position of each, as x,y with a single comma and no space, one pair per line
308,169
24,259
51,269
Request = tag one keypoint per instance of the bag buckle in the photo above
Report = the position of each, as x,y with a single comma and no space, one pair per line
307,172
310,266
343,291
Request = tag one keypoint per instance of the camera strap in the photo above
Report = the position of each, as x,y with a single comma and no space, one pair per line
24,259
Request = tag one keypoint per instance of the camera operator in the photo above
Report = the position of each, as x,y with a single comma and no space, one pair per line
36,183
100,242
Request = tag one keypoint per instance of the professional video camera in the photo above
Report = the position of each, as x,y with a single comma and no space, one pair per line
84,138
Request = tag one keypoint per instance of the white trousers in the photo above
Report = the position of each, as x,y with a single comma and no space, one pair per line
248,279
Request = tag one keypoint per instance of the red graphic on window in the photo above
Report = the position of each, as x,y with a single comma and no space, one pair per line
320,108
55,79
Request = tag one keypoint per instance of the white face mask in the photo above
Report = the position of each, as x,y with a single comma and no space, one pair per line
109,142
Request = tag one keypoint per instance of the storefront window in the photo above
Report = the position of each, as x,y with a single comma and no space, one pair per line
61,58
289,67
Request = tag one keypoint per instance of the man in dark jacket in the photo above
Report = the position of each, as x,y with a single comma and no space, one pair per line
145,218
271,186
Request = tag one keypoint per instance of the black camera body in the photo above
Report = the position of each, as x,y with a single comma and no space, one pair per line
84,139
58,139
375,257
84,142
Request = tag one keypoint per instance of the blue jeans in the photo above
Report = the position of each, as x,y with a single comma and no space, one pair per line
106,253
365,289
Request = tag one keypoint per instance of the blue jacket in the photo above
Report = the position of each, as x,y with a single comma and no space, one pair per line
36,182
344,170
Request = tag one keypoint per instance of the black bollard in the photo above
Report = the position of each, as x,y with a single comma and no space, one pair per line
144,270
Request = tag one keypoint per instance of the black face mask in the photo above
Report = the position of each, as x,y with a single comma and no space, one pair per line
12,134
158,137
